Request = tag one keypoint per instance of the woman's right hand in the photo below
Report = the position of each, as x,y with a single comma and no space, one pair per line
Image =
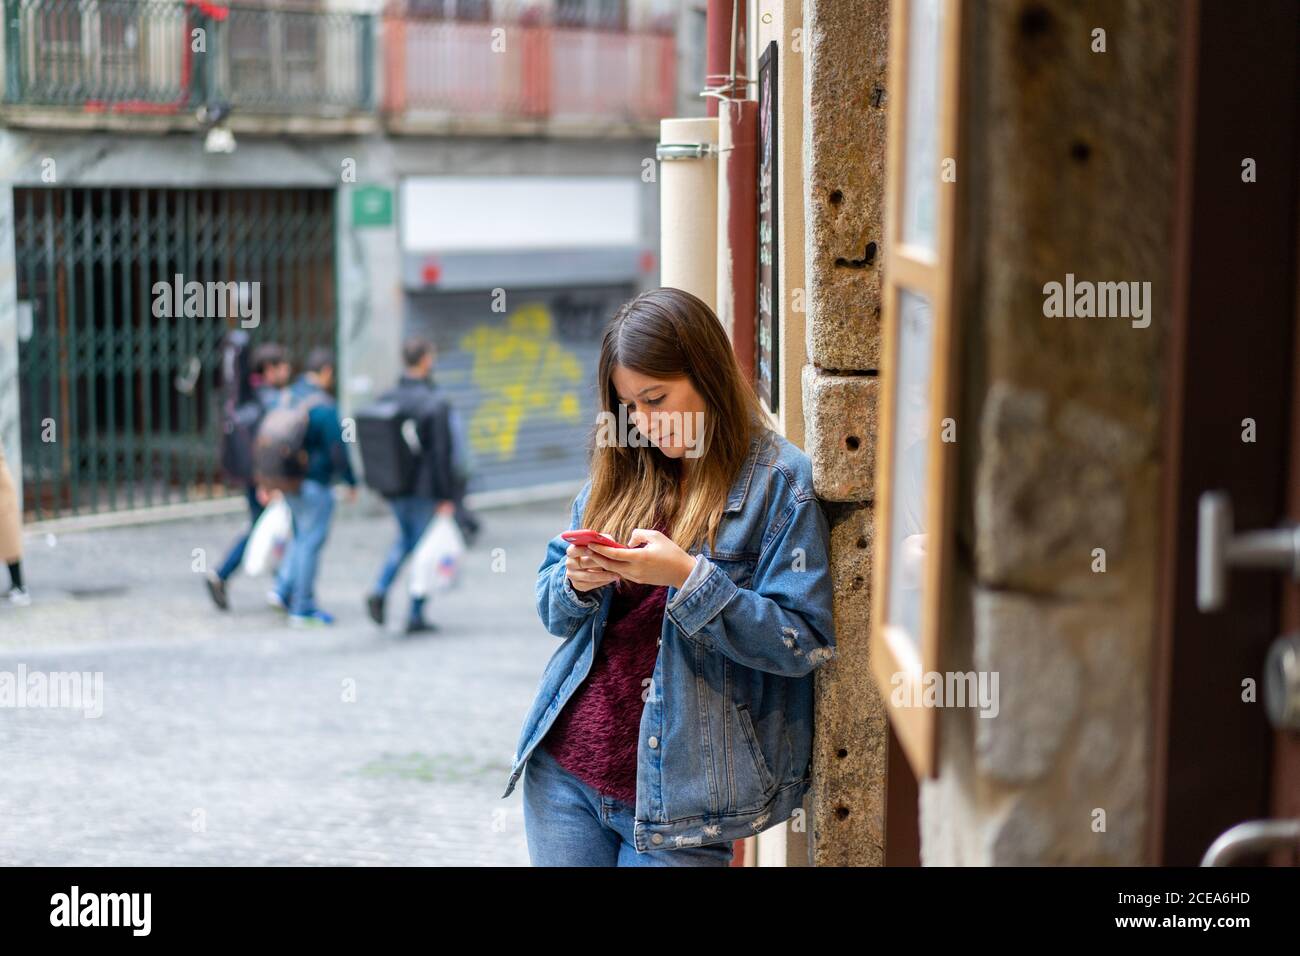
584,570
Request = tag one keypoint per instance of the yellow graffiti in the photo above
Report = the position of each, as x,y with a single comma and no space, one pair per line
522,371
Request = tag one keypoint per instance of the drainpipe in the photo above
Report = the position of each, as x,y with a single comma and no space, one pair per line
737,227
724,20
708,239
738,183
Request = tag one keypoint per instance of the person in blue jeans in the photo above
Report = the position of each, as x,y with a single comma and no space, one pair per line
572,824
433,484
271,371
676,715
312,506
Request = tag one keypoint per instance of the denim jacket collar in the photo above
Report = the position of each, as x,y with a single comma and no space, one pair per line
740,487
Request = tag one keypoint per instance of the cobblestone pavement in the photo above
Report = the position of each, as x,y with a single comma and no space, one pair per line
230,739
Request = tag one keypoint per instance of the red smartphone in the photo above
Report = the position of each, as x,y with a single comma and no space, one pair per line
583,537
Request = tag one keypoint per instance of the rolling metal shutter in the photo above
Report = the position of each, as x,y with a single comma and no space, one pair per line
523,378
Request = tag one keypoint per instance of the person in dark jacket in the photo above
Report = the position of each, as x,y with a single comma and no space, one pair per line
435,488
271,371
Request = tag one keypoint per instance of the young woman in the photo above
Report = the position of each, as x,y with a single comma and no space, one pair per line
11,535
677,714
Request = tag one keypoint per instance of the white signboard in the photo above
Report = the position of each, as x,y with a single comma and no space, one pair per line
492,213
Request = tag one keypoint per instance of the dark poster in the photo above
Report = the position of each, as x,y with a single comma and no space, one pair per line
767,329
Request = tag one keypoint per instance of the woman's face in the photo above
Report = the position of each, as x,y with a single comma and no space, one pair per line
668,411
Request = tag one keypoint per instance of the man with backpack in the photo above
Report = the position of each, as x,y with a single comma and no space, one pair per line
248,396
409,450
300,453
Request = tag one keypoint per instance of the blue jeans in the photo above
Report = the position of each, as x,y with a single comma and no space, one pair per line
568,823
312,508
235,557
413,515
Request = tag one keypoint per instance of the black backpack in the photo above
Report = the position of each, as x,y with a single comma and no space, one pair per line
240,410
238,431
390,447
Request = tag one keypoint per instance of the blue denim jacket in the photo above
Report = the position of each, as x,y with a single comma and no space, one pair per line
725,749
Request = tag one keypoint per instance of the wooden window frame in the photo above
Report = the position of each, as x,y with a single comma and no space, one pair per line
931,275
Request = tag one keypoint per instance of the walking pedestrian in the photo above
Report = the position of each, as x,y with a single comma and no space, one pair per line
430,485
310,500
693,725
11,536
270,371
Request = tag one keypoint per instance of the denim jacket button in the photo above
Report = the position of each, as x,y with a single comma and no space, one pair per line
653,742
657,838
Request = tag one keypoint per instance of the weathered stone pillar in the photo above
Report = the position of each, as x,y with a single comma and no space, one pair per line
845,65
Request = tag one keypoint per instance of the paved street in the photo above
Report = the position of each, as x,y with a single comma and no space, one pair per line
230,739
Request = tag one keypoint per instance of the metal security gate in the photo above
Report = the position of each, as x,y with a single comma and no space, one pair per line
523,379
118,386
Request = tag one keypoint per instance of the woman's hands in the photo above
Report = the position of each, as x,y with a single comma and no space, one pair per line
584,572
651,558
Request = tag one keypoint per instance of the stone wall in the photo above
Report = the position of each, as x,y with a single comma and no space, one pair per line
1067,168
844,50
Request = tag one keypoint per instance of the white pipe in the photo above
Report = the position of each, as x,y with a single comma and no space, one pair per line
688,210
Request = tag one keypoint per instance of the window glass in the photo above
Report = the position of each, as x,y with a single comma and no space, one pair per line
911,433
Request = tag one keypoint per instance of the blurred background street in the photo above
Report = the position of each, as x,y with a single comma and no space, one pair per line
226,738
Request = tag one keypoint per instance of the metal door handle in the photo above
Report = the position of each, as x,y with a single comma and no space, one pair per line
1218,548
1282,683
1250,839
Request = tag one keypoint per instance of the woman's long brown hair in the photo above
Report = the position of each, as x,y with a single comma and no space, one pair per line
669,333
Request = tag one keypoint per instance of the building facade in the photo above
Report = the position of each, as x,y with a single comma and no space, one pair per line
287,158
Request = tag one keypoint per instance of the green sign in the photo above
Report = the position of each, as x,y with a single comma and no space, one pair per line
372,206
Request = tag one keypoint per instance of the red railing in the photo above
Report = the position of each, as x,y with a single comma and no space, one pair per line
527,70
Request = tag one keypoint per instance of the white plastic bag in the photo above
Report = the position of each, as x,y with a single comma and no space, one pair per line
268,539
435,566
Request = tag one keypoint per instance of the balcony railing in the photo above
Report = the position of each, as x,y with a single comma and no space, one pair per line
168,56
442,60
300,59
526,63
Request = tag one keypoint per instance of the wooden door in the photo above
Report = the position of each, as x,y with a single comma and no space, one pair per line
1232,411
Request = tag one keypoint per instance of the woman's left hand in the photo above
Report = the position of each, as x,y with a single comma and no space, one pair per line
650,558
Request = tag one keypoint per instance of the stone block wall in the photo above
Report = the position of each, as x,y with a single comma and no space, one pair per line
845,63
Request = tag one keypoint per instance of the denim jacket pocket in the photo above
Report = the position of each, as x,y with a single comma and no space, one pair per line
765,778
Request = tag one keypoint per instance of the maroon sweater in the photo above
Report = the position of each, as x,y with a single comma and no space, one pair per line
595,735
